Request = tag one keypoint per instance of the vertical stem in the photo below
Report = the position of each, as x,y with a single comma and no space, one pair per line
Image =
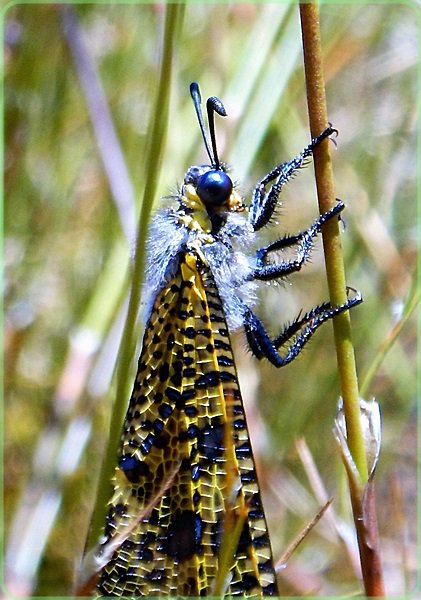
316,100
362,494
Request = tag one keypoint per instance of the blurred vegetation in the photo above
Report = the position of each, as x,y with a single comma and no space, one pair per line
70,233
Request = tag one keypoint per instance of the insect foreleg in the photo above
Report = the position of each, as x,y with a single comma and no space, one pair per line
264,201
304,242
295,335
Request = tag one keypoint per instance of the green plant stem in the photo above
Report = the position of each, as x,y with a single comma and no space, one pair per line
154,153
364,511
317,108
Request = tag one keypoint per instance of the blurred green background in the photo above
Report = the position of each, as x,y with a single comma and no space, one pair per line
73,180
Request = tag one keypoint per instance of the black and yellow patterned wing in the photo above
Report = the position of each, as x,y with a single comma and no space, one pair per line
186,460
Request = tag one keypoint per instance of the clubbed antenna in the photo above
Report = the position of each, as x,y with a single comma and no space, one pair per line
213,105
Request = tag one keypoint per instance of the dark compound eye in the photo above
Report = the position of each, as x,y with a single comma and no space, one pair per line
214,187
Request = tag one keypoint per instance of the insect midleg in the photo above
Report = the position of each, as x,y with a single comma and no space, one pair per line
304,241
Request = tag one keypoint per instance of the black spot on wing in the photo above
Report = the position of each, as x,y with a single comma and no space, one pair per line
249,581
133,468
184,535
210,442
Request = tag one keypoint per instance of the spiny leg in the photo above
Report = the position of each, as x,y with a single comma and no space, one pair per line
304,242
297,334
264,202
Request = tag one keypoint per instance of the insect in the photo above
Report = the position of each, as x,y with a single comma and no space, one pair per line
185,485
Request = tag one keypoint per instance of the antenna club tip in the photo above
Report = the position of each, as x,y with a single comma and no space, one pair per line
194,88
214,103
